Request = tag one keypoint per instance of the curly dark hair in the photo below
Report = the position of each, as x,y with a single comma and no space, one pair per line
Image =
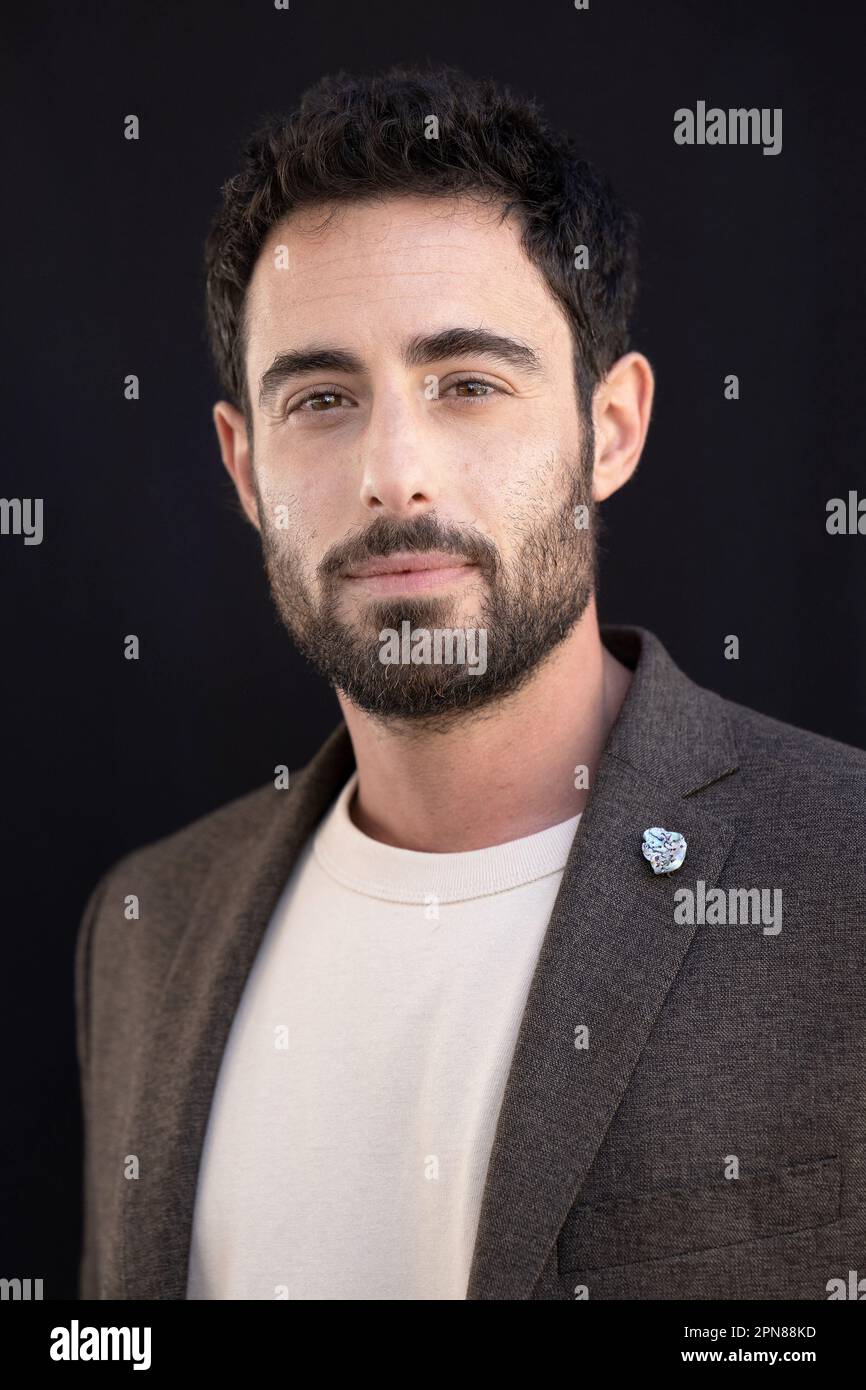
355,138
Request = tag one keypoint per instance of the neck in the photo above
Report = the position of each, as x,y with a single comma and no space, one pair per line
498,775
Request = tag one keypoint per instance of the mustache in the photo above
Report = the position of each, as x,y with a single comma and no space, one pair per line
385,536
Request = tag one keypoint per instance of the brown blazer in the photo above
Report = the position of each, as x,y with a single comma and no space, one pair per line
707,1043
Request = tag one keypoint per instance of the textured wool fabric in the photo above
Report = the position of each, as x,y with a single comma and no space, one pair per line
354,1112
685,1111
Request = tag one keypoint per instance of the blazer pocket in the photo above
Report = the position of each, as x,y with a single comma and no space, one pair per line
680,1221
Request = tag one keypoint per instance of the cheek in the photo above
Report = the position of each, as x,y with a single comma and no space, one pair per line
532,476
311,492
329,509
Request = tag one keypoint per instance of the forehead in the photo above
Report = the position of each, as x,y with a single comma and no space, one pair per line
372,274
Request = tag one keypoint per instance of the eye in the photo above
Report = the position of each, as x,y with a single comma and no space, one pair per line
472,389
321,400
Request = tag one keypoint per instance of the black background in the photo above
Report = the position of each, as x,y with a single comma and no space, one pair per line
751,264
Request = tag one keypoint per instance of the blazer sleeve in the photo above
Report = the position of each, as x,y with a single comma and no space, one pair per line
88,1270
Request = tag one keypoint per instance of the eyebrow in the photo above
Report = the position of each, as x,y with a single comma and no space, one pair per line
420,351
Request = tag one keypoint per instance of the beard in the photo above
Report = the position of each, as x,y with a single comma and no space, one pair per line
526,606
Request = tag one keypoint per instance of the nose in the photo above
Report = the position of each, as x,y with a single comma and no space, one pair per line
399,474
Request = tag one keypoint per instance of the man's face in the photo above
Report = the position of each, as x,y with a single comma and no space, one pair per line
425,412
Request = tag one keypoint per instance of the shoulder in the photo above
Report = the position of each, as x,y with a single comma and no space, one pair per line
179,861
168,875
806,800
158,884
819,767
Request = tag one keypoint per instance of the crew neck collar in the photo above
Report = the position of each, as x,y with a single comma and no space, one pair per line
410,876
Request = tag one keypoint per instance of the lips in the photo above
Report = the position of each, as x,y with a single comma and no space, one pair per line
407,563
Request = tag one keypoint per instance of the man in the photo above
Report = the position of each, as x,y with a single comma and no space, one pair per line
544,978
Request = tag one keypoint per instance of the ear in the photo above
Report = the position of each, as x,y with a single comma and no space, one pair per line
234,447
621,414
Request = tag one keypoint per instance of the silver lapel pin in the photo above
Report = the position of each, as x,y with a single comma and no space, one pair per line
665,849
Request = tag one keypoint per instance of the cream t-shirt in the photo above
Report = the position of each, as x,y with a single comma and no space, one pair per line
357,1100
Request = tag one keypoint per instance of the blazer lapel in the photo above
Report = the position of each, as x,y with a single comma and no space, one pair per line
610,955
179,1062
